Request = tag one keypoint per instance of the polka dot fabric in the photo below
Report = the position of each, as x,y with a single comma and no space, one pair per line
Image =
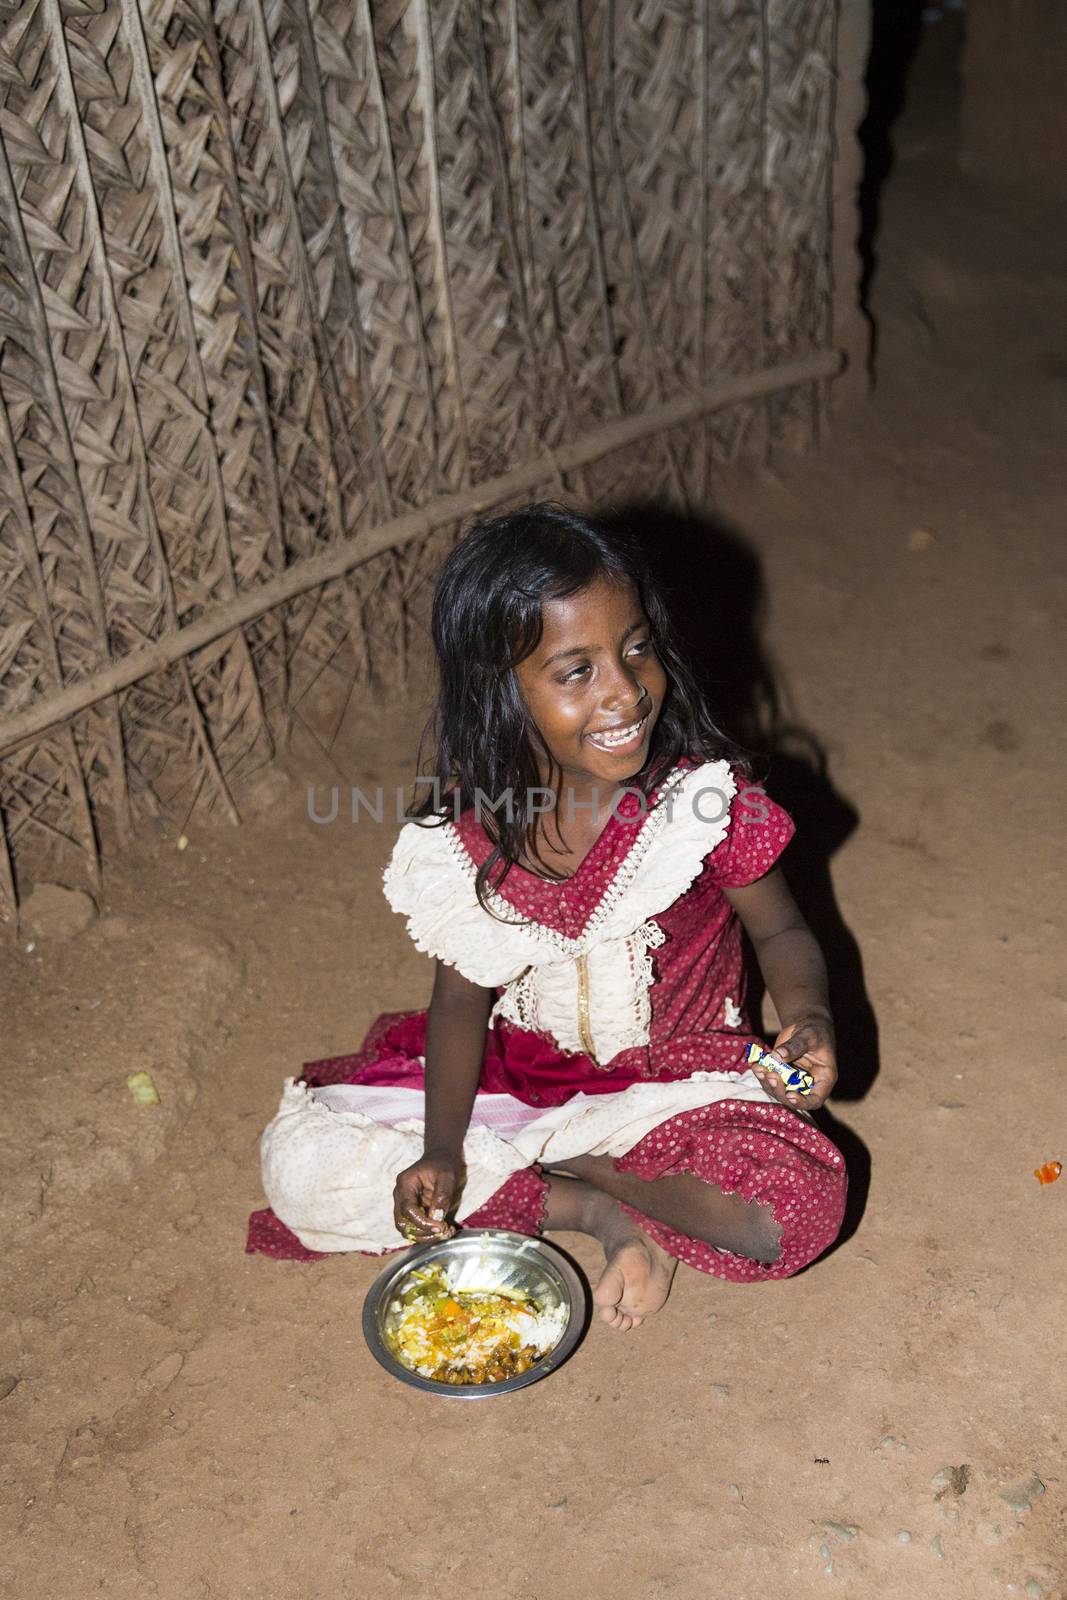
766,1153
518,1205
697,970
268,1236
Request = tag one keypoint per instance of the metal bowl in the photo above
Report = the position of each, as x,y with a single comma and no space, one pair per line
481,1258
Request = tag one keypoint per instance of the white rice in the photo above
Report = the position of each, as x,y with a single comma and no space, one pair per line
542,1329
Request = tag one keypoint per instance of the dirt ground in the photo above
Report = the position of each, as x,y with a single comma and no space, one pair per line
179,1419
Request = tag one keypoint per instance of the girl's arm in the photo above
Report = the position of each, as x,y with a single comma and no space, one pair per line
455,1043
795,974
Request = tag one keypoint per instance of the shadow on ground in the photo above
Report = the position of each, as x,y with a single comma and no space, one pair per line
713,582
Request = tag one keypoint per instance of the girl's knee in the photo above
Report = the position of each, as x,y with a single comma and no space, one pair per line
807,1236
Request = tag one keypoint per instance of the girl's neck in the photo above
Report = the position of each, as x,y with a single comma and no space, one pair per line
567,833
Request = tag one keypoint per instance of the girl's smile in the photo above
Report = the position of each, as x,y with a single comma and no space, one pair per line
622,740
594,686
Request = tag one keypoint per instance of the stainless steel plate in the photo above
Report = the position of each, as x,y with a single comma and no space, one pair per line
481,1258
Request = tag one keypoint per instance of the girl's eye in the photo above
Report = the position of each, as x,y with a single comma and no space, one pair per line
641,647
574,674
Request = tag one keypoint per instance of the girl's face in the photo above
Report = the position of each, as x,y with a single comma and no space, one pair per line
594,686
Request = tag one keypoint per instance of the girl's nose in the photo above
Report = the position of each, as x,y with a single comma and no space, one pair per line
625,692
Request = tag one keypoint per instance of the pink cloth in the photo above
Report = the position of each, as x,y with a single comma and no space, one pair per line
765,1152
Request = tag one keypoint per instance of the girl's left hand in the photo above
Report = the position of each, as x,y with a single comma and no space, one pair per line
807,1043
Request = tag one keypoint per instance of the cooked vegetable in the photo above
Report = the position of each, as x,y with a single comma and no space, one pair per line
459,1336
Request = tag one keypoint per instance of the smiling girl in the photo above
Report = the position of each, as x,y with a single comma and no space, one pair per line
581,874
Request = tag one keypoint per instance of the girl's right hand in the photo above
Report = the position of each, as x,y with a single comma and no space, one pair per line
424,1195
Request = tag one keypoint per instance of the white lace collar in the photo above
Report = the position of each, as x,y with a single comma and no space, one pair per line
430,881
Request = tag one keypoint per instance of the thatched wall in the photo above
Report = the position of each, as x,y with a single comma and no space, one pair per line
275,274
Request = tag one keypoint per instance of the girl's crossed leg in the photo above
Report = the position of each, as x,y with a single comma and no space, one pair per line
638,1273
738,1191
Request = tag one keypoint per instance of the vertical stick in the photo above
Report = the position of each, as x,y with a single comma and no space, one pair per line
118,340
338,432
704,307
581,476
427,84
80,516
673,469
503,186
346,272
165,208
31,558
400,223
9,903
763,231
823,322
518,135
596,232
261,392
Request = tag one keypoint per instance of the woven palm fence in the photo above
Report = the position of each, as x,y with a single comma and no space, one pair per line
288,288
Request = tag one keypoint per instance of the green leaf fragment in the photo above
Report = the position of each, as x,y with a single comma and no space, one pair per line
143,1091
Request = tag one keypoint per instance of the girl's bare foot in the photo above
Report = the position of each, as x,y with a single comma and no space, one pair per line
637,1273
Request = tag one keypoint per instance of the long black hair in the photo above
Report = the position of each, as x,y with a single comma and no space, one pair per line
486,619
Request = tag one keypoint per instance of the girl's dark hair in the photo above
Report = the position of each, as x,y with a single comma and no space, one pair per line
487,619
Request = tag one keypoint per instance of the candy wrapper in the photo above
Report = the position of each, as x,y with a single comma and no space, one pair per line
796,1080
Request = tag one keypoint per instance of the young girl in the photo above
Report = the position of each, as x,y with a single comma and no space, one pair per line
585,861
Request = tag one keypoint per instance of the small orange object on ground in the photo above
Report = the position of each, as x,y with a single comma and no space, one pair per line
1049,1172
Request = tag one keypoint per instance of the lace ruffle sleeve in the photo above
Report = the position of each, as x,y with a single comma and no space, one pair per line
430,882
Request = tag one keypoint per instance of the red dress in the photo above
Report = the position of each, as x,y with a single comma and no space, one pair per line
765,1152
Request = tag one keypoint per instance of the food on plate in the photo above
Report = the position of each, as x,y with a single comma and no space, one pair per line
459,1336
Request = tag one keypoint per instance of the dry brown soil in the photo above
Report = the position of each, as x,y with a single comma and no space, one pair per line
181,1420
